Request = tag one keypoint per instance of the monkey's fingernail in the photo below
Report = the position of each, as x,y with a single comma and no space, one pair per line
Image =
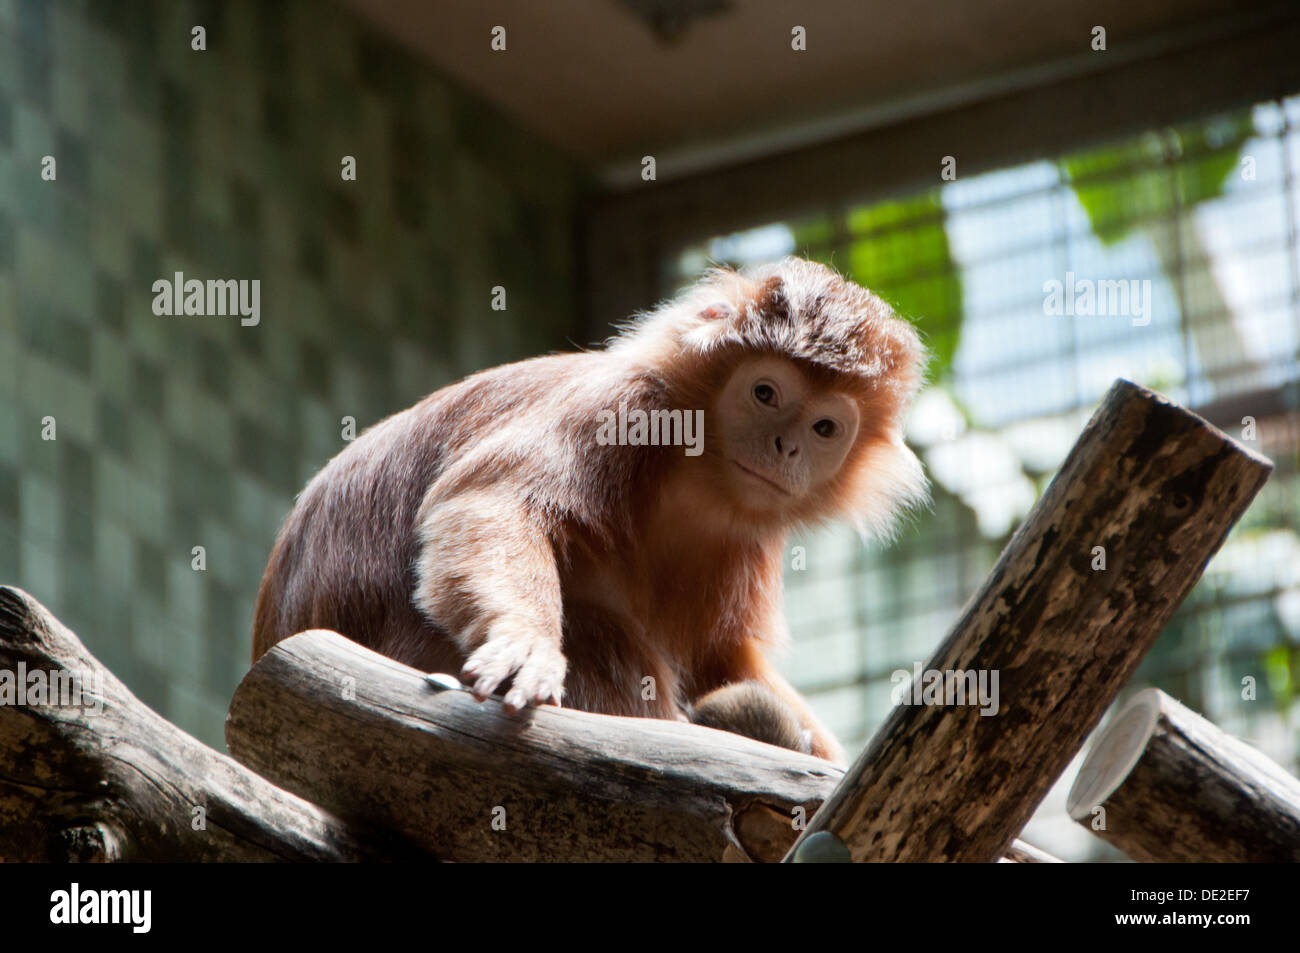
514,701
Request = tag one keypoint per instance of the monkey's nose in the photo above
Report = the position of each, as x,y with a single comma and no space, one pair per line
787,447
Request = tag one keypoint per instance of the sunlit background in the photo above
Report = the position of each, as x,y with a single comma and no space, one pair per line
1207,212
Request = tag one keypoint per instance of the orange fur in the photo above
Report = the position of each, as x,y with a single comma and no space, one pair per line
486,523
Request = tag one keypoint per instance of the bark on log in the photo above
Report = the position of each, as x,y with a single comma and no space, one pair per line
369,738
100,776
108,779
1177,788
1159,489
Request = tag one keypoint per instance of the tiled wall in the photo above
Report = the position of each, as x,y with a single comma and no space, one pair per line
176,432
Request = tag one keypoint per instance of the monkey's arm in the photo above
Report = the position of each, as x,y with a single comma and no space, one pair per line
487,574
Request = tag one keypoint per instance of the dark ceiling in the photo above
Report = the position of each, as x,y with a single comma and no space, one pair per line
612,80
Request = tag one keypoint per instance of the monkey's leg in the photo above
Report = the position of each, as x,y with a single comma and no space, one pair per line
613,668
487,574
752,709
750,663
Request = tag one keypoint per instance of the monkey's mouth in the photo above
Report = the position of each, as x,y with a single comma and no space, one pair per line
758,476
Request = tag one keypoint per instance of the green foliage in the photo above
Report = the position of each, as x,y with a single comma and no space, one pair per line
812,233
899,249
1280,674
1124,185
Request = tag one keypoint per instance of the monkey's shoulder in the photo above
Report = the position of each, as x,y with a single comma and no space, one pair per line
550,393
536,422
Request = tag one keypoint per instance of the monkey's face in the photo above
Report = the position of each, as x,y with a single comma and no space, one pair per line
780,439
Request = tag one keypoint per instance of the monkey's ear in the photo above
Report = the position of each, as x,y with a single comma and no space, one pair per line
712,324
719,311
771,302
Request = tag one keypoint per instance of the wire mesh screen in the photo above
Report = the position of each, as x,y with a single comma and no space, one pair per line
1168,258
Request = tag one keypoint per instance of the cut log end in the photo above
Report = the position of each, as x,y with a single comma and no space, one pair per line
1114,754
1126,390
1164,784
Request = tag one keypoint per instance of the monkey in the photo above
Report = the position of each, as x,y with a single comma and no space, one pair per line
755,711
505,528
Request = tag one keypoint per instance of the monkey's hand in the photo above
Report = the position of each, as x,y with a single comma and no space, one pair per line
487,573
517,649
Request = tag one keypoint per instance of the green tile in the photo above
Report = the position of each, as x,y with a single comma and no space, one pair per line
114,557
214,426
10,439
198,711
174,431
40,575
112,368
223,560
152,639
9,492
186,586
49,389
150,569
10,553
147,386
37,455
8,63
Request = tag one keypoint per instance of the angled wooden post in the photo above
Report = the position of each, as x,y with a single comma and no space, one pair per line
1149,488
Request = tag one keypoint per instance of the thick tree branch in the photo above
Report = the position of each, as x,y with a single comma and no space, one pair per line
89,772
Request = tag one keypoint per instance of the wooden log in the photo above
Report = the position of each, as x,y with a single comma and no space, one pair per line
1158,489
373,739
100,776
1175,787
369,738
88,772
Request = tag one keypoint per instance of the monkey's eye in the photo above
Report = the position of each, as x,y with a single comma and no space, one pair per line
765,393
824,427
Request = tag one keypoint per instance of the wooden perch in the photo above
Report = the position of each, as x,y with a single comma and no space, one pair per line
367,737
1155,486
1174,787
95,774
370,738
105,778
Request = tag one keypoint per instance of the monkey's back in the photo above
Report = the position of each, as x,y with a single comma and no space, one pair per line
345,556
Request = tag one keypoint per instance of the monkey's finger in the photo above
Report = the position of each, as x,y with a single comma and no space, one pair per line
471,675
524,693
484,687
521,652
514,701
540,679
489,666
486,677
